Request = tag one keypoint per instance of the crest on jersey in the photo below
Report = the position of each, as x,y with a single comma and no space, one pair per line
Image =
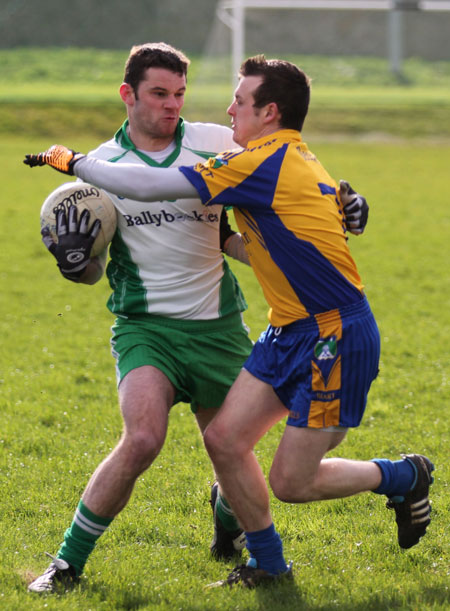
218,163
326,348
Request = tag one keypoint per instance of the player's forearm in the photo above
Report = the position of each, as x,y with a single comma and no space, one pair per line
142,183
234,247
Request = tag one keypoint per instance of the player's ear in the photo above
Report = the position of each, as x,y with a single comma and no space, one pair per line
271,112
126,92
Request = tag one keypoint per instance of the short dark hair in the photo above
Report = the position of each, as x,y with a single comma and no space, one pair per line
153,55
283,83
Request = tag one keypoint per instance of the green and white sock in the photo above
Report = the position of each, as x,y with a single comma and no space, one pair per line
225,514
81,537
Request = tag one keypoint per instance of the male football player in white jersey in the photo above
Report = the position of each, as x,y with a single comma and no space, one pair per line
178,305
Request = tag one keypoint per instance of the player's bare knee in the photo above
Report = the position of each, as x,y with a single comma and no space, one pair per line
287,489
281,488
142,447
217,444
285,492
212,441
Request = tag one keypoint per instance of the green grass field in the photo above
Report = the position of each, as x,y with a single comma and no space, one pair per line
78,88
60,416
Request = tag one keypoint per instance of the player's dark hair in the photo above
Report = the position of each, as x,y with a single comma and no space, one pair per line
283,83
153,55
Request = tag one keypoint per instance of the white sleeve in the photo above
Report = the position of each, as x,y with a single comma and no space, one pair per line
142,183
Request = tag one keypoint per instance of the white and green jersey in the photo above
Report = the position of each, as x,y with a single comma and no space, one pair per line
166,258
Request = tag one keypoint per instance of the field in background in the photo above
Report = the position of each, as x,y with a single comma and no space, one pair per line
59,405
52,92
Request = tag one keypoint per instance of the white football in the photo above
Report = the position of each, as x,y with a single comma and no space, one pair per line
82,195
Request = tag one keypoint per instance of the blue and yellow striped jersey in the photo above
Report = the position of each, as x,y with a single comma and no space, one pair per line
289,213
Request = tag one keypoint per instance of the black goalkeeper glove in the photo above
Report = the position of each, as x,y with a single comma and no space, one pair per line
75,240
356,209
57,156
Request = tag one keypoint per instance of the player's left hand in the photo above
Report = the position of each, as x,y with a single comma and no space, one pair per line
356,209
75,240
57,156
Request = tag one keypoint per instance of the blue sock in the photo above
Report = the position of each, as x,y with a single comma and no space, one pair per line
397,477
266,550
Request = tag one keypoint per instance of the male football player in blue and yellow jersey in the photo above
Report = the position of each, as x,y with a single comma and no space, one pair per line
319,355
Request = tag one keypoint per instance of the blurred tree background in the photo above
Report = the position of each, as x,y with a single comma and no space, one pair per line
193,26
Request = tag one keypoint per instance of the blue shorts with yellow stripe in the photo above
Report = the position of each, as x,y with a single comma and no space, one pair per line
321,367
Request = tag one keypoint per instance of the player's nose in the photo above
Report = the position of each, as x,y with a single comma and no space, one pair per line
173,102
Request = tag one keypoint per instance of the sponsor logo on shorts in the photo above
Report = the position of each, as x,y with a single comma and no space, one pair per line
326,396
326,348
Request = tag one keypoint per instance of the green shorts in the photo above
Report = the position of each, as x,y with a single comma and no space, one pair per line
201,358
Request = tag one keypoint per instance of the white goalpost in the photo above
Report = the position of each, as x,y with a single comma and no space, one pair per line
232,14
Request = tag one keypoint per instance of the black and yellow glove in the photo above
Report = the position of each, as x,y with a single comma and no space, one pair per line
57,156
